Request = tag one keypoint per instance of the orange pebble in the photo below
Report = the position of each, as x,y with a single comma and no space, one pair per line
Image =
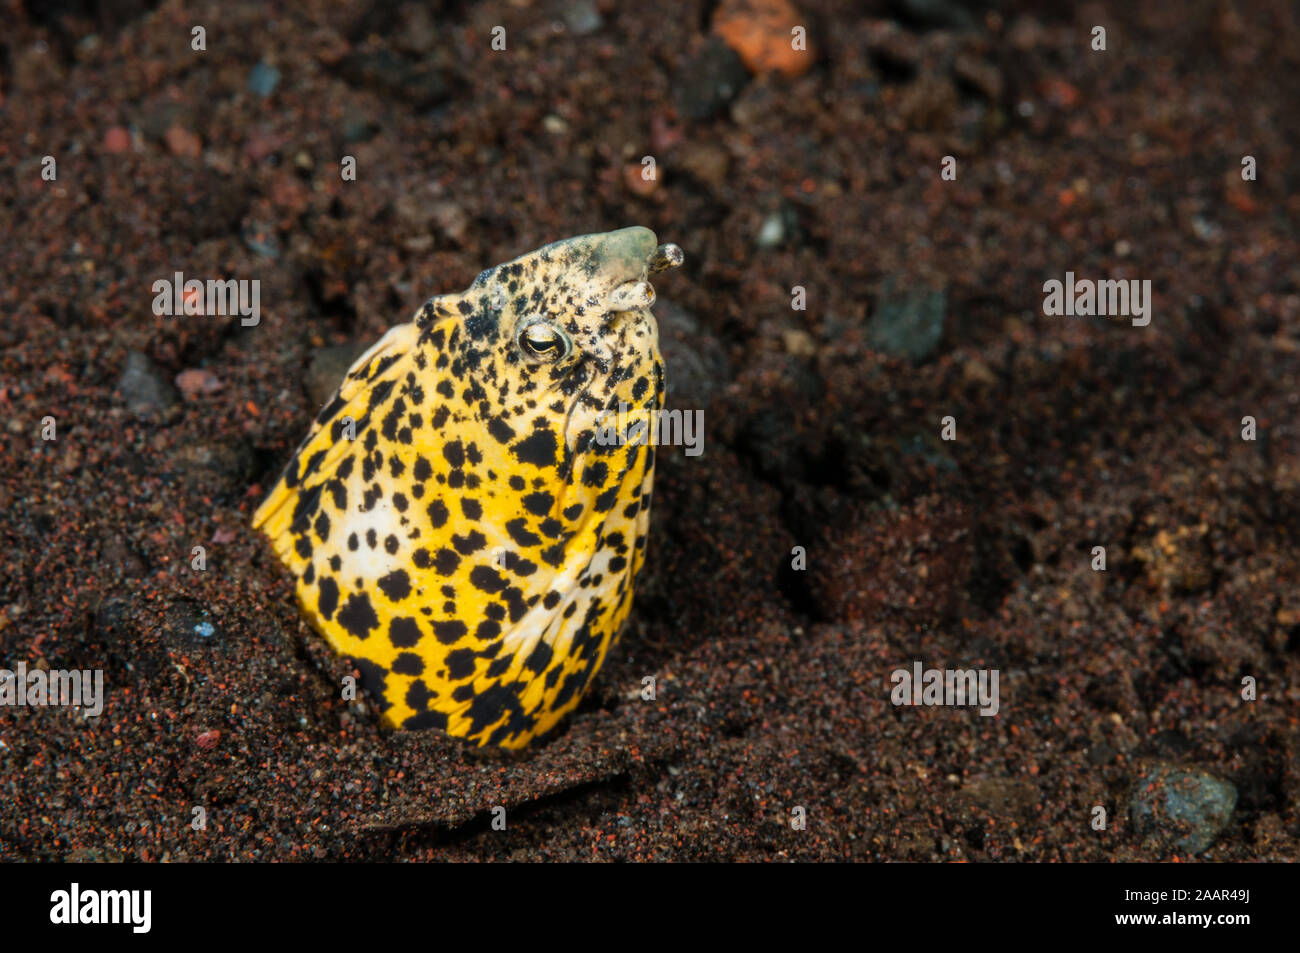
1242,202
762,32
635,177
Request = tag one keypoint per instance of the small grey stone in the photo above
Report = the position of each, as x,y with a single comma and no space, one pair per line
1181,808
260,238
263,79
772,233
144,387
582,17
708,81
907,325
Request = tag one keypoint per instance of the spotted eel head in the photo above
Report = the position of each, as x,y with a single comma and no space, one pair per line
473,544
564,332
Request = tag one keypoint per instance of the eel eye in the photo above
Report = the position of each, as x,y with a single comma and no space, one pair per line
543,342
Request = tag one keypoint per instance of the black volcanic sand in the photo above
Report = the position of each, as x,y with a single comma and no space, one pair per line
822,426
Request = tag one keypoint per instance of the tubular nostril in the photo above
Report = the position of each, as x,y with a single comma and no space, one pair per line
665,256
631,296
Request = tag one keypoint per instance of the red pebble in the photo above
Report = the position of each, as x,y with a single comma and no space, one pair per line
117,139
